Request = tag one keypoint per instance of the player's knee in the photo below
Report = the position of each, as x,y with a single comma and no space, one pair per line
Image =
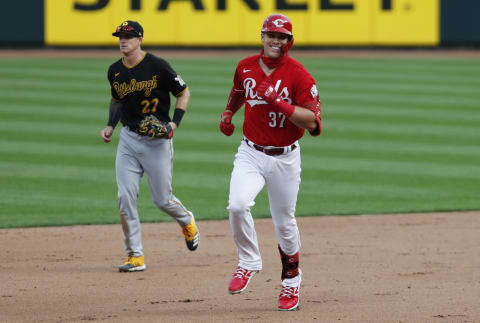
124,200
237,207
163,205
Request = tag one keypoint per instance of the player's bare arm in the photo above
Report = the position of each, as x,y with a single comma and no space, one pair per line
114,115
304,118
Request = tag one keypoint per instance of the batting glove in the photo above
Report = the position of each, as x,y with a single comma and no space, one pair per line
226,125
268,93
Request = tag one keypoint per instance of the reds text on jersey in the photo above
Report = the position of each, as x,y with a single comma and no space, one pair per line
263,124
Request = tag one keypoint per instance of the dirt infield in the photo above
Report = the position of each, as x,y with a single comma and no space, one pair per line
382,268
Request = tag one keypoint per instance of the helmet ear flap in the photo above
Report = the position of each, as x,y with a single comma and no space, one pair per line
288,45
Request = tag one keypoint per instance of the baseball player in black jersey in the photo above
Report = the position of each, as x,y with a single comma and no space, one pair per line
141,84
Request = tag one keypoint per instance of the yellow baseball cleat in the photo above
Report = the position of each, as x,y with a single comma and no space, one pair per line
133,263
192,237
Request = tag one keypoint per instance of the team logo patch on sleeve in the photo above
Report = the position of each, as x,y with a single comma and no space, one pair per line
179,80
314,91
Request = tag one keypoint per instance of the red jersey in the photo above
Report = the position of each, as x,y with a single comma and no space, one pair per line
263,124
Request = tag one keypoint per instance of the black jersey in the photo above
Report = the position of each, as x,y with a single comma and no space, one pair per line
144,89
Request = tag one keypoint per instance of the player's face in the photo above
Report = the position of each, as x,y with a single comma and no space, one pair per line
128,43
273,43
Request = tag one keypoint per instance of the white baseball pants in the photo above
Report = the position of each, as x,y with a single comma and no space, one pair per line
253,170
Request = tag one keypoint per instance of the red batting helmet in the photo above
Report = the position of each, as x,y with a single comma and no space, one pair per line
277,23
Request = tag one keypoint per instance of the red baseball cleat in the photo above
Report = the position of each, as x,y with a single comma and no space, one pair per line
289,298
240,280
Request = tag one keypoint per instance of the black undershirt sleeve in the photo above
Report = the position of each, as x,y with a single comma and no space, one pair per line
114,113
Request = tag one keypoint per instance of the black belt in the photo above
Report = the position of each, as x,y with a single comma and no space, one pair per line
132,129
136,130
271,151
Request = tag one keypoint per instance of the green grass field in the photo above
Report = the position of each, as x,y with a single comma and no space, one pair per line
400,135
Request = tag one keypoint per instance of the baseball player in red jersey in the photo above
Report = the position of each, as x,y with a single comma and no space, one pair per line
281,101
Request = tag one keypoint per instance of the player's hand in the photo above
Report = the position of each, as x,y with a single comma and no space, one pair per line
106,133
226,125
268,93
174,127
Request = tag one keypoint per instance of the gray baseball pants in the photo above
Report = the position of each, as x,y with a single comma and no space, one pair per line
137,155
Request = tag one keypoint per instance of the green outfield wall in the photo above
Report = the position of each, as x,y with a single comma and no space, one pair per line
237,22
